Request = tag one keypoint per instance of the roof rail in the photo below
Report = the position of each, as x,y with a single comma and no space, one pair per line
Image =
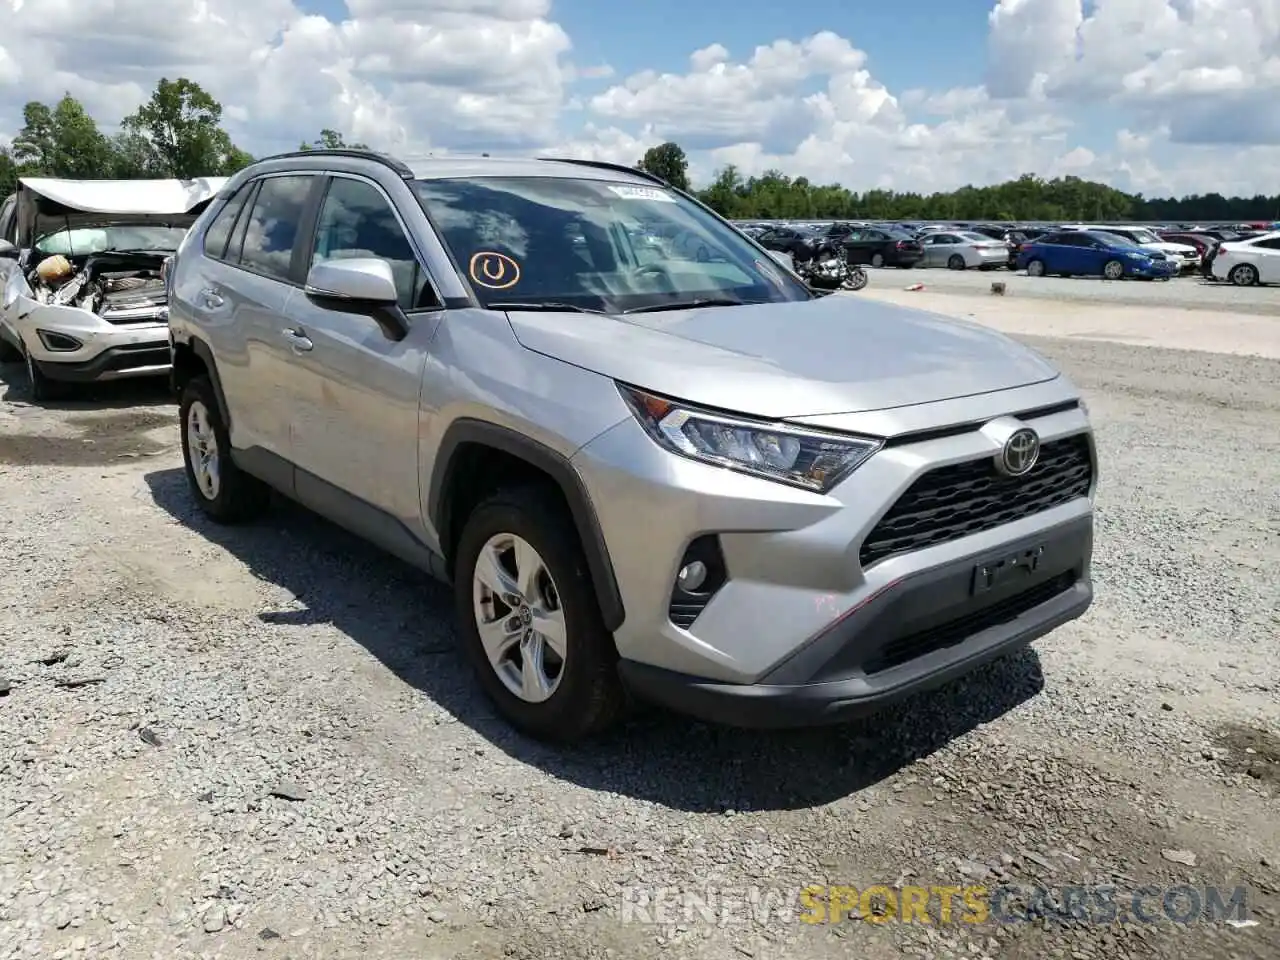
606,165
353,153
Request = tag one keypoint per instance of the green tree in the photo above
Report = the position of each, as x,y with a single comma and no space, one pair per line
668,161
62,142
183,123
8,172
331,140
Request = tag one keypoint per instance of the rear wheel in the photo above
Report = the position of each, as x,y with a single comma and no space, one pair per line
529,621
956,262
1113,270
1243,275
222,490
1035,268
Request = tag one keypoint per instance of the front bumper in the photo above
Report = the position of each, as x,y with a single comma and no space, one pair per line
1157,268
112,363
797,561
77,346
921,631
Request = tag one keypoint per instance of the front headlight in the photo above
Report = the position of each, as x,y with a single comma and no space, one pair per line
1135,255
810,459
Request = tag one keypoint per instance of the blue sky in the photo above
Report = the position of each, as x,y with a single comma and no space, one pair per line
1162,96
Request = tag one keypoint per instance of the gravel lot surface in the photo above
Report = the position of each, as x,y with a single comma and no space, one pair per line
260,742
1187,292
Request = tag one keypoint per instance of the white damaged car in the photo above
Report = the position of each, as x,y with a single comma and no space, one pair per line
82,275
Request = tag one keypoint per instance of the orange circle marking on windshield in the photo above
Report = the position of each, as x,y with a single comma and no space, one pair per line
496,271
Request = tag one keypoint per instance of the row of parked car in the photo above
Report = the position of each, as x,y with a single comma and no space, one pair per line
1241,254
636,464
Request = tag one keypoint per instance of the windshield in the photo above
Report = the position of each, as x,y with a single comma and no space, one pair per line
976,238
1115,239
1143,236
82,240
596,245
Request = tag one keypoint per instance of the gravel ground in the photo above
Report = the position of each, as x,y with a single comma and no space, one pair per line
260,742
1187,292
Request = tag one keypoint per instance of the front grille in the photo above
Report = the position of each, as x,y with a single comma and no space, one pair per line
966,498
899,651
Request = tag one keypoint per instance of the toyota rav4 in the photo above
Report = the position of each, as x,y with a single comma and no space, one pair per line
667,471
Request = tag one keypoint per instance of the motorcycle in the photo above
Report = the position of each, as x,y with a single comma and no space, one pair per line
825,265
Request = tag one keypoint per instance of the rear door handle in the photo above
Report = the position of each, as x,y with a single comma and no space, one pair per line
298,340
211,298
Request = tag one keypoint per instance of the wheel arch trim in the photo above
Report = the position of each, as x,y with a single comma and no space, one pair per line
467,430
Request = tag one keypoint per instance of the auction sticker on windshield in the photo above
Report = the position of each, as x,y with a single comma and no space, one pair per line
643,193
494,270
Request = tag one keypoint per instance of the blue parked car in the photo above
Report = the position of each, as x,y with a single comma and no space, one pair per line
1092,253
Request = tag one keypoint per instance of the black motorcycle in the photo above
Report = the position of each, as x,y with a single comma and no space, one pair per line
823,264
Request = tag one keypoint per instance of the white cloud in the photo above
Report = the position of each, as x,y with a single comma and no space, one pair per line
1190,88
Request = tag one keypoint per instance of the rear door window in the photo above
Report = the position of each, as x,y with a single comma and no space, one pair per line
219,232
272,225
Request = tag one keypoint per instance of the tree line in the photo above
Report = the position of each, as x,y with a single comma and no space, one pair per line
178,133
776,196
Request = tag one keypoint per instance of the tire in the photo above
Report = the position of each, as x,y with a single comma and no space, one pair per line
1035,268
877,260
585,697
233,496
9,353
956,262
45,389
1113,270
857,279
1244,275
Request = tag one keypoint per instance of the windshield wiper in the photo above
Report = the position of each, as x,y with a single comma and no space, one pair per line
693,304
549,306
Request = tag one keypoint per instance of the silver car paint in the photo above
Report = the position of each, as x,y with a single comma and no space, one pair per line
368,415
838,354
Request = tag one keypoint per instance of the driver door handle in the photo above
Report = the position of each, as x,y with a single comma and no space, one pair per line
298,340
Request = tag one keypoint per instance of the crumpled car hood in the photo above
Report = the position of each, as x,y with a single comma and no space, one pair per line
835,354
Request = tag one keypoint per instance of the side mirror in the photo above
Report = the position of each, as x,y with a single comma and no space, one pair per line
364,281
8,251
783,258
360,285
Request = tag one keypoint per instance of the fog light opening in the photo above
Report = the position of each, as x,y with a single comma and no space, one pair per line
699,576
692,576
58,341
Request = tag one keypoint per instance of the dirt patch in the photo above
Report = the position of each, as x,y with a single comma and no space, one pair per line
1252,751
99,440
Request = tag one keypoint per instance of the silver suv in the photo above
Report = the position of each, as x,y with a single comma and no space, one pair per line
664,469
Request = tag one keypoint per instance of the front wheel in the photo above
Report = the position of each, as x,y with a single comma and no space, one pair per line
529,621
44,389
877,260
956,262
857,279
1113,270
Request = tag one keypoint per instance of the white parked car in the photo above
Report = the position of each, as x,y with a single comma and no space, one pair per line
960,249
81,265
1248,262
1187,255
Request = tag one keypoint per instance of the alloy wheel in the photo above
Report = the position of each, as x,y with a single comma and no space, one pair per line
519,617
202,450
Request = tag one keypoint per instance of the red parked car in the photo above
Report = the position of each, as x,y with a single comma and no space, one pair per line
1201,241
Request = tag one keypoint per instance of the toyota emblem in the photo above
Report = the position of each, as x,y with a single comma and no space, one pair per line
1020,453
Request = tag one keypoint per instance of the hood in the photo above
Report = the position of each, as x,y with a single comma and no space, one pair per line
1166,246
835,354
46,204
